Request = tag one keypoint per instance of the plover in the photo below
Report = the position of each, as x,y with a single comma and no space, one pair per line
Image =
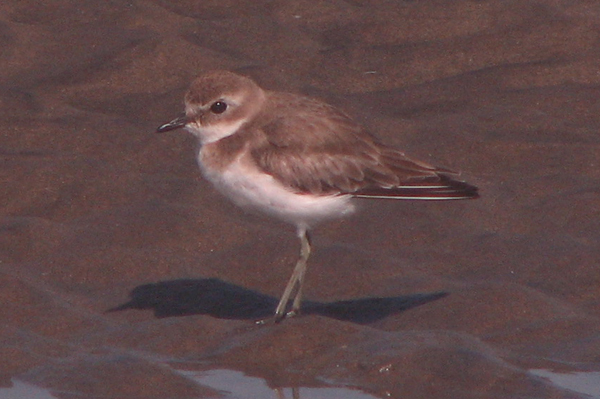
298,159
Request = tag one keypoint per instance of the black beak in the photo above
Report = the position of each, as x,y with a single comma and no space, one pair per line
176,123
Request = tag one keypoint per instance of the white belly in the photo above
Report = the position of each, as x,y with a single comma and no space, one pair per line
251,189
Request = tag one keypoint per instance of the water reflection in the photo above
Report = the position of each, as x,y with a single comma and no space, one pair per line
21,390
231,384
585,382
235,384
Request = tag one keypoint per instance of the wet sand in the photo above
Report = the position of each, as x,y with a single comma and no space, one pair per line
408,300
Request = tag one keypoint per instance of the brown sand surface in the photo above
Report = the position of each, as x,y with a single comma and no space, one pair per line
411,300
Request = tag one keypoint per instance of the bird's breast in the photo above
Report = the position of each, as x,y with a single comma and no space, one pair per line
217,156
239,179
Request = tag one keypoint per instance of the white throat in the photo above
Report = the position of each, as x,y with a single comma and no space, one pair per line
210,134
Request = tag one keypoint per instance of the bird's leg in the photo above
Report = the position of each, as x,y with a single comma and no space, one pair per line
296,280
304,254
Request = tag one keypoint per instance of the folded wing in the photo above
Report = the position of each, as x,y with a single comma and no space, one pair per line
319,150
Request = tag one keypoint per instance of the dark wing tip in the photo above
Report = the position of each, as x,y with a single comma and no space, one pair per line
461,188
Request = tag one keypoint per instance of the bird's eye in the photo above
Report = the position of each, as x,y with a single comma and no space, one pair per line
218,107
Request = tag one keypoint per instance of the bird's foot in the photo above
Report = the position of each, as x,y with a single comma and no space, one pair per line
278,317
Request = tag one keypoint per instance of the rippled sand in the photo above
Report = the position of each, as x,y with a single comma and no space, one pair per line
411,300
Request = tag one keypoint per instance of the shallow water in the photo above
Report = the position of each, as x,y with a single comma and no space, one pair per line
229,384
20,390
587,383
236,385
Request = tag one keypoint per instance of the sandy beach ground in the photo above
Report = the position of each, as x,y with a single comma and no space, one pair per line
404,300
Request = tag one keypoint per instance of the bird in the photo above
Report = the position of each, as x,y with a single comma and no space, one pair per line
298,159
